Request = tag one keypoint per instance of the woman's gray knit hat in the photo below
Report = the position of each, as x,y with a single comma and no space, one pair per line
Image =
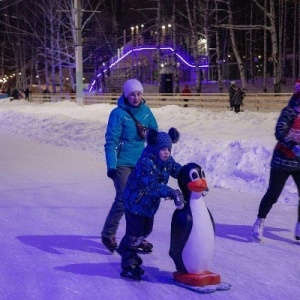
132,85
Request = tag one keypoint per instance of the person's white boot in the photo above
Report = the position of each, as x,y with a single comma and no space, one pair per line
297,231
258,229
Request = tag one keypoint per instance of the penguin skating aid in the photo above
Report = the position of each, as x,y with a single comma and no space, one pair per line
192,235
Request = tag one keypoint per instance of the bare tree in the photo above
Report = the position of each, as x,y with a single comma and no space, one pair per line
276,55
235,48
191,10
46,40
218,48
298,40
270,13
265,52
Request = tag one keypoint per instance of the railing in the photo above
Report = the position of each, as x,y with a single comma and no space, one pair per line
51,97
215,101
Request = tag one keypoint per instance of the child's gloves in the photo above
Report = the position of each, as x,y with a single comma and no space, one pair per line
178,199
296,150
111,173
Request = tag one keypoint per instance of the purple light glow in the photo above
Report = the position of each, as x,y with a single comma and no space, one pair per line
147,48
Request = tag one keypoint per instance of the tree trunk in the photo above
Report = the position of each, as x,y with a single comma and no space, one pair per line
235,49
158,37
218,50
265,52
298,40
294,41
176,73
276,55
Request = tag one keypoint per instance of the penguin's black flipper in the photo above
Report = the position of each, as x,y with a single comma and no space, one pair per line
181,226
212,220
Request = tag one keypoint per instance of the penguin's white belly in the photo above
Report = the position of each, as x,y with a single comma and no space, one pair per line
198,251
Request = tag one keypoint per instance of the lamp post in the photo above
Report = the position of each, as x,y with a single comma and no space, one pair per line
78,52
2,63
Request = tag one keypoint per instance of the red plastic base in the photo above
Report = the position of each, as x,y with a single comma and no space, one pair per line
201,279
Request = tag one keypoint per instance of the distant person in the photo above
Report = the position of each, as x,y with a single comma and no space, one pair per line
26,93
186,91
72,94
16,95
238,99
285,162
123,147
145,187
232,89
8,92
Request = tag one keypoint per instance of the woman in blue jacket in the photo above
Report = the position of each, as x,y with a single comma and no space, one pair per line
124,145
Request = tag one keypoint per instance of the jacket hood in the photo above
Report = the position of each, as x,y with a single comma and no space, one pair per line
295,100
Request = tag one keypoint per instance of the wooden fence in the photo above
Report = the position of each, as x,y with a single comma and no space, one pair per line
266,102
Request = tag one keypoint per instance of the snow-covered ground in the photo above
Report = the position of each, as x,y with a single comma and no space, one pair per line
54,197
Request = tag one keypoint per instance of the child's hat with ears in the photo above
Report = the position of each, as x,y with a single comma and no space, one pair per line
160,140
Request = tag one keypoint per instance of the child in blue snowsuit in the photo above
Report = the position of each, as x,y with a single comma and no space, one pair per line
145,187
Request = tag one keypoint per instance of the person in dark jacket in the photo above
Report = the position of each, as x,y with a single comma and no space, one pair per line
8,92
26,93
232,89
185,92
285,162
123,147
16,95
238,99
145,187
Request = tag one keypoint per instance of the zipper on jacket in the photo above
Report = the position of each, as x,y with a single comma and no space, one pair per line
120,146
141,194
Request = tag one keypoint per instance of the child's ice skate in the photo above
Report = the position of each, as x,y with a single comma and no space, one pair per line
133,272
144,247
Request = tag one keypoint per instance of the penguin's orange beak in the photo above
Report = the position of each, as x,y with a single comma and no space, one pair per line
198,186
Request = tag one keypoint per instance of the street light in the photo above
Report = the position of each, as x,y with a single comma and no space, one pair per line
78,52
